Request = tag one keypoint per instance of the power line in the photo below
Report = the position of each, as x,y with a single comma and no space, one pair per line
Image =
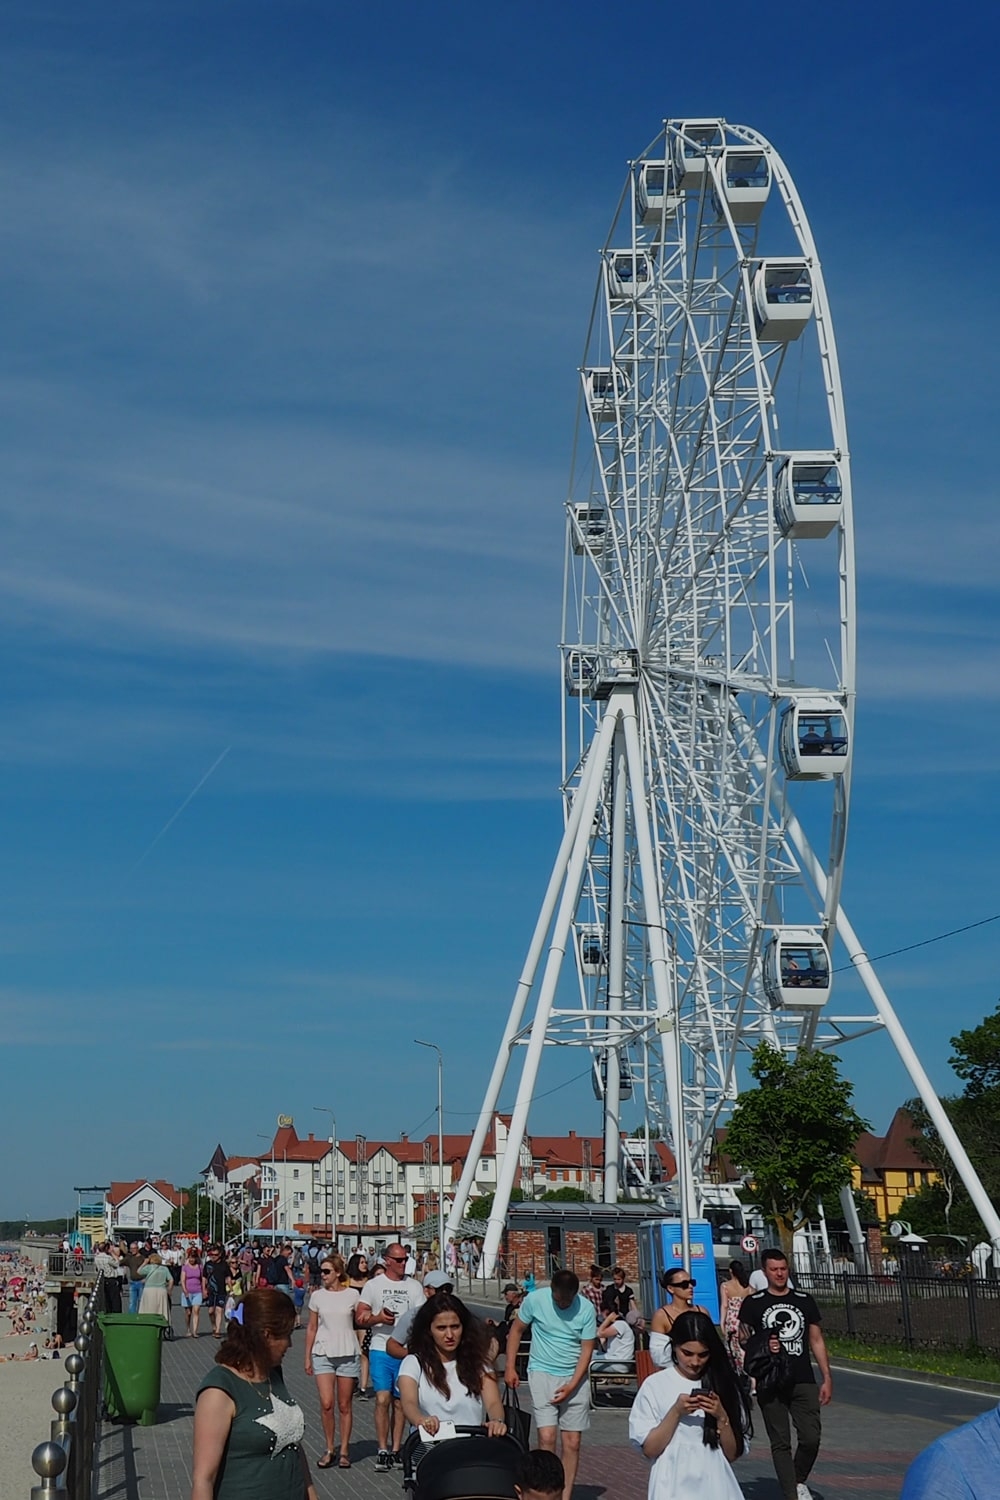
926,942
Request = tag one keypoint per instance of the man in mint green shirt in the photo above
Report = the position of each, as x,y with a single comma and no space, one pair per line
563,1334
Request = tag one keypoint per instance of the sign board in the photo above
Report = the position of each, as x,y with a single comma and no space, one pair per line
749,1244
285,1122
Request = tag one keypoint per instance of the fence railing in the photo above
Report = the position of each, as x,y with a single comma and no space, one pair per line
65,1464
63,1263
941,1313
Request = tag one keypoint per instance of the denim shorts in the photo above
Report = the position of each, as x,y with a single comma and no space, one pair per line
190,1299
344,1366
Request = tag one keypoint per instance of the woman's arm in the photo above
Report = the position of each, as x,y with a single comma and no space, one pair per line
409,1400
213,1417
496,1425
658,1440
307,1479
312,1328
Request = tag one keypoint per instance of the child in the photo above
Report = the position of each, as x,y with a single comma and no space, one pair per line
539,1476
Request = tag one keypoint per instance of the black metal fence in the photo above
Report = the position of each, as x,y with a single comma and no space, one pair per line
946,1313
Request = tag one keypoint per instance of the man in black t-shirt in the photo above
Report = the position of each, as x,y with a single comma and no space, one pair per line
792,1320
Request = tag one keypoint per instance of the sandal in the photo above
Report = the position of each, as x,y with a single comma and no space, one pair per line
326,1462
343,1462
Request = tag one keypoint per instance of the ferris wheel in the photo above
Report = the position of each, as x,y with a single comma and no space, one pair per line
709,670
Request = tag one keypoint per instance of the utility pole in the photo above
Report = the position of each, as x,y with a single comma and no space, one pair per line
440,1114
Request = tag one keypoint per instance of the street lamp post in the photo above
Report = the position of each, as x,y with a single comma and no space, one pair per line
440,1113
322,1110
274,1177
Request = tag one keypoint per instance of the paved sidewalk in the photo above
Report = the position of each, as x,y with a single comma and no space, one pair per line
865,1451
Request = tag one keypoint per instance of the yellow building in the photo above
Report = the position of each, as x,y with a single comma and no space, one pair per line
888,1168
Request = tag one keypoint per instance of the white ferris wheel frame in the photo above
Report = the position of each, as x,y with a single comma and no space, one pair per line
684,858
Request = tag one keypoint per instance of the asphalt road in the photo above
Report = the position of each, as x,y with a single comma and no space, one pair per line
892,1397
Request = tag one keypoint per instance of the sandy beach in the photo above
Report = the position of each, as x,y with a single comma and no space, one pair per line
26,1388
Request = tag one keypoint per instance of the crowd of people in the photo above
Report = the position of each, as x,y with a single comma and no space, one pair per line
22,1305
390,1327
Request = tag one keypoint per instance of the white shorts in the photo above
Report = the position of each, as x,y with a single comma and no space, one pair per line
344,1366
571,1415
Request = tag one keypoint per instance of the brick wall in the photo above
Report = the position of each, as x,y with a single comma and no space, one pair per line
579,1252
526,1252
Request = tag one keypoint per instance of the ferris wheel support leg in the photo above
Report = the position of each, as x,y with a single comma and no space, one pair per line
522,992
904,1047
557,951
616,969
666,1006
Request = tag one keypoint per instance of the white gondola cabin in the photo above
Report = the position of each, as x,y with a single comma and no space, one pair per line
590,523
797,969
782,300
592,955
814,740
696,137
581,673
745,182
808,495
630,273
604,388
600,1077
654,194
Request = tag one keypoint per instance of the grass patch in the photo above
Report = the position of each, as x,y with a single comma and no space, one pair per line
969,1364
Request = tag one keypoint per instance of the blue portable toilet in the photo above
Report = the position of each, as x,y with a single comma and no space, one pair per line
661,1246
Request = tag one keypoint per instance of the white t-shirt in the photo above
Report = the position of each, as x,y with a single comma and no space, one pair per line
620,1344
396,1296
460,1406
335,1336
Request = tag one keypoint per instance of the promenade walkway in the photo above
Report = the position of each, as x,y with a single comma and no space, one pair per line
871,1432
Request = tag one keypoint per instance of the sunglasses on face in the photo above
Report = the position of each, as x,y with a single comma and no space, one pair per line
679,1286
399,1260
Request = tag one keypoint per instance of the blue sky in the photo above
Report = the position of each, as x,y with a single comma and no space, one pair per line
292,299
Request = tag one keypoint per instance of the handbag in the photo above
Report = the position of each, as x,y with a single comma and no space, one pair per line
771,1373
518,1421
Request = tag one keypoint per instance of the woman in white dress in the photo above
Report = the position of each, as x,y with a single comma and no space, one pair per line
447,1377
691,1420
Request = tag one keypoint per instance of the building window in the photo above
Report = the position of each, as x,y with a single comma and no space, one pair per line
910,1180
295,1172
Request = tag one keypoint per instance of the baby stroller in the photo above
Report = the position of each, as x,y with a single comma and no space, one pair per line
470,1466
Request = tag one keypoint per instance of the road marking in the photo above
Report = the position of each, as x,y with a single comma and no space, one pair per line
962,1390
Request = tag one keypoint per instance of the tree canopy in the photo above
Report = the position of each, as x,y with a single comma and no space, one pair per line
794,1134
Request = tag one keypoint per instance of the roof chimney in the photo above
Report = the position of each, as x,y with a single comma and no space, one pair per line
572,1135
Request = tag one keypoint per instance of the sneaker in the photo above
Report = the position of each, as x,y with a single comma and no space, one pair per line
803,1492
383,1464
397,1459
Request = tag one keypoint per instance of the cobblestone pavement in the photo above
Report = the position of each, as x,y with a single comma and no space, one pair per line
871,1433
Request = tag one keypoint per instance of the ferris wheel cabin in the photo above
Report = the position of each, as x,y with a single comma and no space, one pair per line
782,300
654,195
696,137
630,273
745,182
581,673
808,495
590,524
797,969
604,388
814,740
600,1076
592,955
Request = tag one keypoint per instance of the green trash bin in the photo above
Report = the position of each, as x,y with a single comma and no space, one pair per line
133,1347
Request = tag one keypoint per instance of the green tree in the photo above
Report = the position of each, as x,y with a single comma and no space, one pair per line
976,1114
479,1209
564,1195
794,1135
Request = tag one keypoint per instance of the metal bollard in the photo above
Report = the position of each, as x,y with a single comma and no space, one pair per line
48,1462
74,1366
64,1405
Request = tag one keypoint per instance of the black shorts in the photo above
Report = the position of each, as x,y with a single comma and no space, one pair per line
215,1299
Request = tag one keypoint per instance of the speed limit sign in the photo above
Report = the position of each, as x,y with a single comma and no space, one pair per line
749,1244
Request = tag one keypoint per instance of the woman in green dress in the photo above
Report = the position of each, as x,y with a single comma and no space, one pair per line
247,1428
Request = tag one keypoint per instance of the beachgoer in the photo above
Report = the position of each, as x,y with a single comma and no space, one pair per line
679,1284
383,1299
448,1377
734,1290
332,1355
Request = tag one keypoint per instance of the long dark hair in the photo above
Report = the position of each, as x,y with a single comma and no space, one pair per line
718,1376
264,1311
354,1271
472,1351
738,1271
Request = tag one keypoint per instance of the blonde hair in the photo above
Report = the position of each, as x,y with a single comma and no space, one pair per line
339,1267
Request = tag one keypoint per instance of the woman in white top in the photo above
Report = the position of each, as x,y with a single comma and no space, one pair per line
691,1419
679,1284
332,1354
446,1376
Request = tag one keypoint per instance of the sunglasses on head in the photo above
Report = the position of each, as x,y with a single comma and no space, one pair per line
681,1285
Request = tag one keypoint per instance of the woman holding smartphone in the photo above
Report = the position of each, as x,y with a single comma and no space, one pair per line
691,1420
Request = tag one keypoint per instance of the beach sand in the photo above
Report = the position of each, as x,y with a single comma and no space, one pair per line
26,1402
